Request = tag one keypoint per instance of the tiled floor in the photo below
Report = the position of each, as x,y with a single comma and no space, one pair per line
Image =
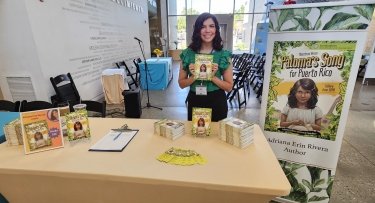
355,174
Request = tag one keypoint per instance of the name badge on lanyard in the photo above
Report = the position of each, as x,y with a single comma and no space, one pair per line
201,90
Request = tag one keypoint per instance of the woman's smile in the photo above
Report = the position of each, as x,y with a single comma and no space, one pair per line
208,30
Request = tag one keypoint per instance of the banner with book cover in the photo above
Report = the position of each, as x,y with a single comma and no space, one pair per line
313,54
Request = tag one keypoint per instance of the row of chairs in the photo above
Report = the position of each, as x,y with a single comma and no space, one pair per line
67,92
24,106
248,71
133,77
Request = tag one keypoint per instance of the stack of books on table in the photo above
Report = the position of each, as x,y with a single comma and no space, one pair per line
236,132
13,133
169,129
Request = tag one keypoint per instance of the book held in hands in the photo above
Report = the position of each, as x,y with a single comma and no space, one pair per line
203,66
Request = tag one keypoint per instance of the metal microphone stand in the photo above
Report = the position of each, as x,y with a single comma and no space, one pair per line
148,105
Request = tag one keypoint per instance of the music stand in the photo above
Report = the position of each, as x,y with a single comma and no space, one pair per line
148,105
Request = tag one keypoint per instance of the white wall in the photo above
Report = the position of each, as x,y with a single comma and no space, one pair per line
17,47
82,37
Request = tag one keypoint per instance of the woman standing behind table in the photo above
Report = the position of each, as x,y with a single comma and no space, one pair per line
207,94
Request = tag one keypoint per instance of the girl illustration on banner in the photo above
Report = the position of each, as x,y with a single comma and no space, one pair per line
301,112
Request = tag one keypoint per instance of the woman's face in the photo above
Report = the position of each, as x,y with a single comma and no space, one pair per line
203,68
302,95
78,126
208,30
54,114
200,123
38,136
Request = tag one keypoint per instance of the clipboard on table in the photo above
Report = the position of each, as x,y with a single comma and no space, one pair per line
114,141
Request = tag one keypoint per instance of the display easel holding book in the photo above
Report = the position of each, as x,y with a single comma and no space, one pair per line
206,68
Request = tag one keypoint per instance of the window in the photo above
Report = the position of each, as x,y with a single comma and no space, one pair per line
241,32
243,6
247,14
176,7
196,7
177,32
221,7
257,19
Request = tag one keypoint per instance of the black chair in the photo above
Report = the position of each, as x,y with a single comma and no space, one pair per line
35,105
6,105
239,84
362,66
134,76
136,63
65,89
95,106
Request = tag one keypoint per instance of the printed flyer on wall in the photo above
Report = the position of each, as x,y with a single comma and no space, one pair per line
41,130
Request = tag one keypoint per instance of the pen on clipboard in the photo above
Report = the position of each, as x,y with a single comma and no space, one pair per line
118,135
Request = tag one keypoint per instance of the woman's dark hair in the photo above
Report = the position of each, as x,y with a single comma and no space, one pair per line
77,128
204,66
306,84
53,118
38,133
196,40
201,119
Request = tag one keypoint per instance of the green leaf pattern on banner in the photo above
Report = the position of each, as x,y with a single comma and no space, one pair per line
365,11
351,17
334,118
303,23
307,191
340,20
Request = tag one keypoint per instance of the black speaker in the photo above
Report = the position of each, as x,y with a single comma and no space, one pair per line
132,101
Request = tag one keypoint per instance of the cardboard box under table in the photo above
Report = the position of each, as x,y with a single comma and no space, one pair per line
160,73
73,174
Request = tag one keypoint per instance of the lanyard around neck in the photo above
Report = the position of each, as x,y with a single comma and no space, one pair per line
212,50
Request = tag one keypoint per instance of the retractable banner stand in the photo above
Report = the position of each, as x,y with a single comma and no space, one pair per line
313,54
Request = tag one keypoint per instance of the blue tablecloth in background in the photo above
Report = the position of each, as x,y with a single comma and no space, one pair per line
160,73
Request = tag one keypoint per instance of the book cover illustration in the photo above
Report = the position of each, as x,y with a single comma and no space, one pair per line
201,119
307,87
203,66
77,125
41,130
